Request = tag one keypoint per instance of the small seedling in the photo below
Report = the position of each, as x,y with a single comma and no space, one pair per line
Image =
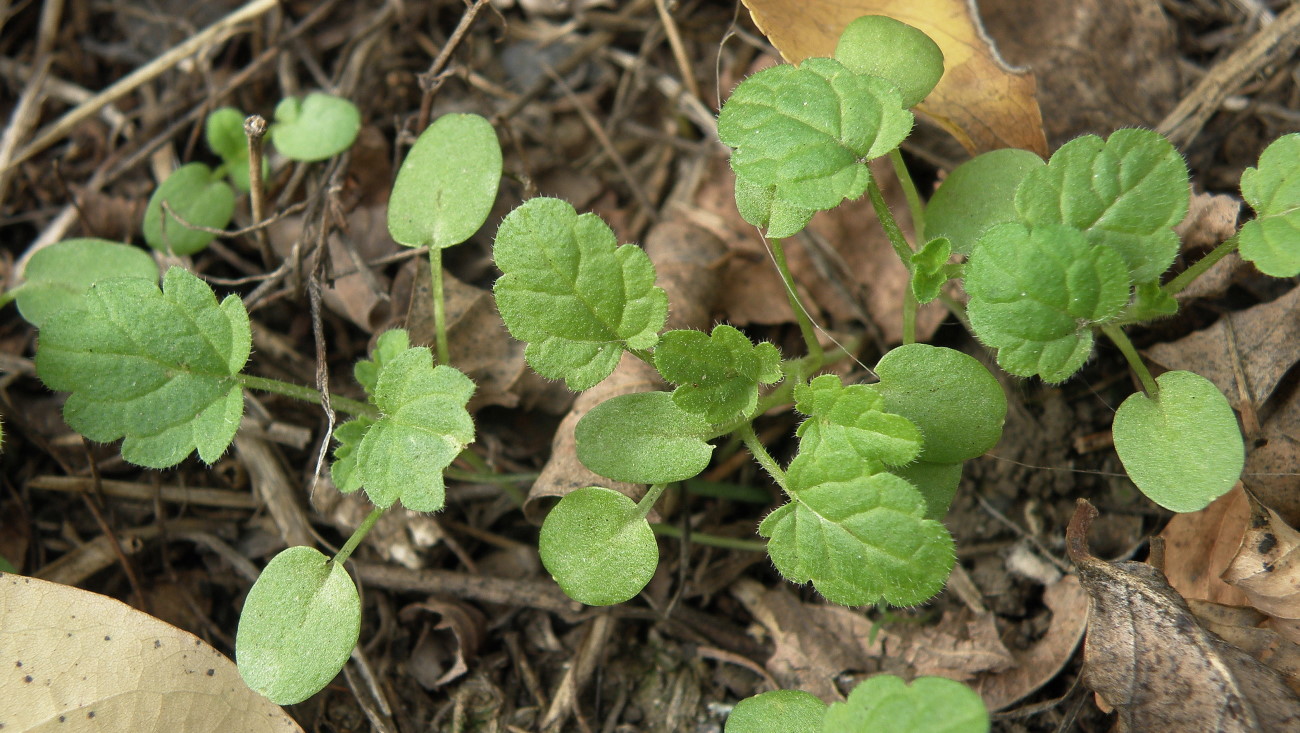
879,703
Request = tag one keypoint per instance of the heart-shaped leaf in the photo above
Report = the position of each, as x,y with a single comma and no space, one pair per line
197,196
315,128
643,438
56,277
1272,240
598,547
718,374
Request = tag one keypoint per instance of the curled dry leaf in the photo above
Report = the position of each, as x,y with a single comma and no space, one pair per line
467,627
1267,568
1246,629
1149,658
1199,546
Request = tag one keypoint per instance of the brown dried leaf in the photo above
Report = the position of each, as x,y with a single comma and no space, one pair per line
1199,546
1267,568
468,629
1149,658
1270,471
1243,628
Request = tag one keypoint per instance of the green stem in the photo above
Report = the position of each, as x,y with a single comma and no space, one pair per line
956,308
892,230
765,459
307,394
647,502
357,535
909,192
909,315
1185,278
439,307
800,313
730,543
643,355
1116,335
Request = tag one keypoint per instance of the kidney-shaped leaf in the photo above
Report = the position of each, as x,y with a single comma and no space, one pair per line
778,711
643,438
192,193
927,705
1272,240
318,127
57,276
598,546
717,374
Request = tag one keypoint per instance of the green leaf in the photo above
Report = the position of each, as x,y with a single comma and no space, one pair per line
56,277
1127,193
859,537
759,206
447,184
1183,449
572,293
424,427
1035,295
156,367
1272,240
804,134
977,195
598,546
643,438
951,397
851,421
345,471
225,134
778,711
928,705
298,627
877,45
193,193
937,483
388,346
719,373
318,127
930,269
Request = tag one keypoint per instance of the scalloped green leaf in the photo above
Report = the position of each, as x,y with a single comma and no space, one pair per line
927,705
199,197
643,438
880,46
1183,449
953,399
1035,296
344,471
937,483
859,537
318,127
1127,193
447,184
424,426
56,277
802,137
156,367
778,711
1272,239
598,546
930,269
572,293
298,627
719,373
851,421
388,346
977,195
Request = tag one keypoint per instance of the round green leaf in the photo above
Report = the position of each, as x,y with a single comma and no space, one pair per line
880,46
192,193
937,483
447,184
1184,448
225,134
598,547
299,625
56,277
976,195
928,705
643,438
1272,239
778,711
955,401
318,127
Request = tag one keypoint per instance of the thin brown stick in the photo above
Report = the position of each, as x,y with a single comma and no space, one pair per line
255,131
230,233
432,79
679,48
145,492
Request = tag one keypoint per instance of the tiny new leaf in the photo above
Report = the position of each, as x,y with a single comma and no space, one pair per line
446,186
880,46
344,471
158,367
56,277
778,711
859,537
193,193
927,705
643,438
572,293
851,421
598,547
930,269
226,137
1035,295
318,127
717,374
978,194
1272,240
298,627
389,344
1183,449
1126,192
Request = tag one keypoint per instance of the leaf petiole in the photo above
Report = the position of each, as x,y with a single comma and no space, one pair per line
800,313
700,538
1185,278
439,307
1116,335
357,535
914,204
307,394
765,459
647,502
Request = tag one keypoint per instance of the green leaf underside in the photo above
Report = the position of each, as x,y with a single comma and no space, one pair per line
929,269
1126,192
1272,240
928,705
951,397
778,711
56,277
859,537
446,186
388,346
598,547
1184,448
1035,295
937,483
424,427
977,195
156,367
881,46
643,438
298,627
575,296
315,128
851,421
802,137
192,192
718,374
